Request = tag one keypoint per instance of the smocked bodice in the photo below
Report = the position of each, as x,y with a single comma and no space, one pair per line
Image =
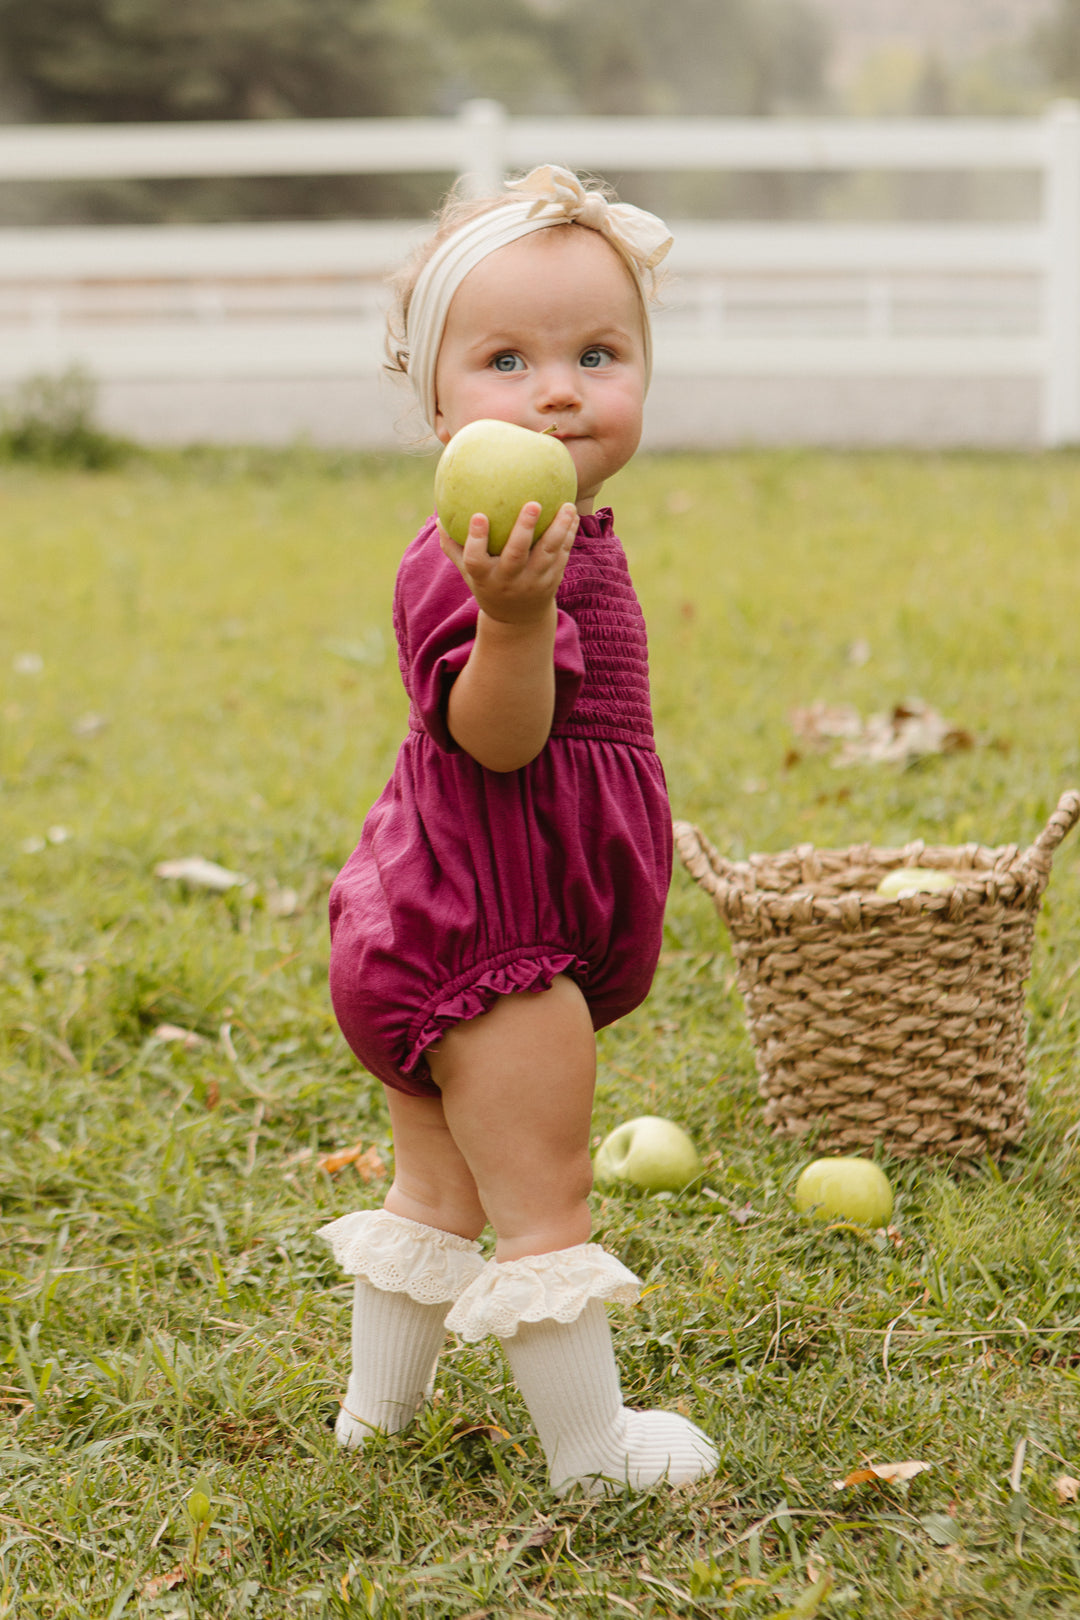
600,656
597,593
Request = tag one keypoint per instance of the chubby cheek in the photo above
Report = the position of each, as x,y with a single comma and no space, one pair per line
472,405
624,423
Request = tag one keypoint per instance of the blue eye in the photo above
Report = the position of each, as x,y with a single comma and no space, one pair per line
507,362
593,359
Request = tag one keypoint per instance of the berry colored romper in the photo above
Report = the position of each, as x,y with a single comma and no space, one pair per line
468,884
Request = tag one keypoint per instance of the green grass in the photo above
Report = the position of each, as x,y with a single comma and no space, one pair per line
174,1324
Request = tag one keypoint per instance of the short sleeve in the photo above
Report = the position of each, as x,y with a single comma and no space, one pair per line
435,618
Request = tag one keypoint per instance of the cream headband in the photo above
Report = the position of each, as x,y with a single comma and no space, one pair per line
547,196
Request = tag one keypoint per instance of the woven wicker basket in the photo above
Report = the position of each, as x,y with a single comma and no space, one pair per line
898,1021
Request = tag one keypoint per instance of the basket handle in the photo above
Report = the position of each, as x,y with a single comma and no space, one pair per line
699,857
1039,856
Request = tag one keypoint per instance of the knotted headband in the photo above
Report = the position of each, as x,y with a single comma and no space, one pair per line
548,196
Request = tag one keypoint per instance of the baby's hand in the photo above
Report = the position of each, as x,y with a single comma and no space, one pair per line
518,586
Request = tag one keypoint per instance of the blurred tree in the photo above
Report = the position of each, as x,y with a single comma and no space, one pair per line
633,56
1056,45
121,61
629,57
933,95
501,49
695,56
698,57
144,60
151,60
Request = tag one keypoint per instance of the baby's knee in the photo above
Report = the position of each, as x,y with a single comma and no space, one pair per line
449,1209
580,1177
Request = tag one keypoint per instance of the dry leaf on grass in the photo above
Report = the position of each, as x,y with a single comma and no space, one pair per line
888,1473
366,1161
199,873
282,902
1066,1488
906,732
176,1032
88,725
822,723
154,1585
490,1431
301,1156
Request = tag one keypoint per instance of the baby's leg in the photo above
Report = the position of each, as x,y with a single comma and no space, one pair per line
517,1088
432,1181
411,1260
517,1094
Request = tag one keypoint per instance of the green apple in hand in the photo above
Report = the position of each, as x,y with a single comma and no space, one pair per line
495,467
650,1153
923,879
845,1189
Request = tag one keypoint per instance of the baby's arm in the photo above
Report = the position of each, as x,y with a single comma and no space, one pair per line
502,704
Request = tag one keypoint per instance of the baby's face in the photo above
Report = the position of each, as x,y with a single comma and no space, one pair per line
544,332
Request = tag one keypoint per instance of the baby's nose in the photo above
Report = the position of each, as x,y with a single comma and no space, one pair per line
559,388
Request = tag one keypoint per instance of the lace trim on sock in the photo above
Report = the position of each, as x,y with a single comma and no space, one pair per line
402,1256
540,1288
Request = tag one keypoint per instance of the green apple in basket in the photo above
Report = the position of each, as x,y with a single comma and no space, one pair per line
651,1153
494,468
915,880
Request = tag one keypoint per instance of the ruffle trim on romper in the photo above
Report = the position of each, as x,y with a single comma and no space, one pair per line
540,1288
402,1256
477,992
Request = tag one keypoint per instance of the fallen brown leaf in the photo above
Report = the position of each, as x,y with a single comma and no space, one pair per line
154,1585
176,1032
366,1161
889,1473
822,723
897,736
492,1430
88,725
199,873
369,1166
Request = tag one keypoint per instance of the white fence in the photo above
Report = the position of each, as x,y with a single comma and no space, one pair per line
214,306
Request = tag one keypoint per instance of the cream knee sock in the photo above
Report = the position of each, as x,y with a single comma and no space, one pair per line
406,1275
566,1371
395,1344
548,1311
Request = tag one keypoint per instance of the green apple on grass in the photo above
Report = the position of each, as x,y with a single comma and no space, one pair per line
494,468
846,1189
651,1153
920,879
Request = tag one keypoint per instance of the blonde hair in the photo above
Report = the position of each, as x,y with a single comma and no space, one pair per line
458,208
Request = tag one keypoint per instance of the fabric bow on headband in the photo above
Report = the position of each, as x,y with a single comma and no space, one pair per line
639,236
548,196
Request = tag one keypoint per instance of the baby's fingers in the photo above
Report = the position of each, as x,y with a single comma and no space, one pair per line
474,553
560,532
522,536
556,537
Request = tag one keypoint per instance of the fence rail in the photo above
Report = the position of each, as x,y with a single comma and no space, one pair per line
792,300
